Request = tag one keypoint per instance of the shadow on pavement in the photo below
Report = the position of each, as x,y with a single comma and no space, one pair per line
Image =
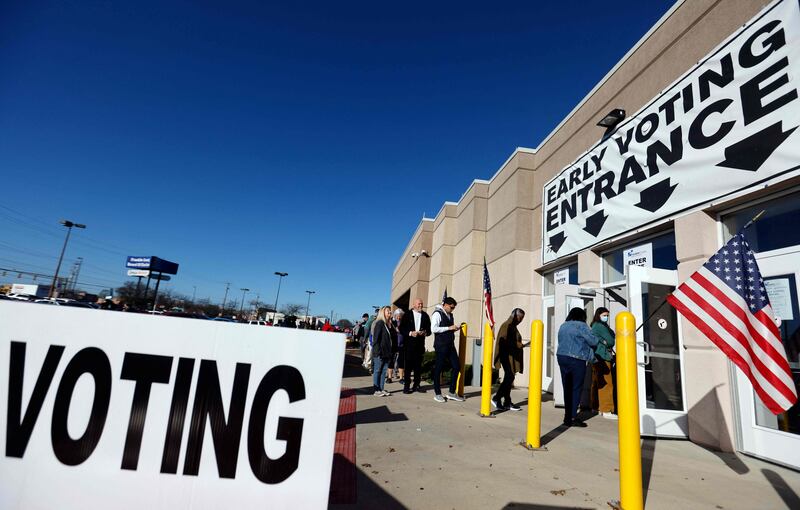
730,459
378,415
547,438
352,365
786,493
532,506
368,494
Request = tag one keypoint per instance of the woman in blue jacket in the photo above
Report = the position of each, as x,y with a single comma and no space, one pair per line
576,344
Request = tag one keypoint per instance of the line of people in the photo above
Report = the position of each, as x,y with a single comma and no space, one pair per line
395,342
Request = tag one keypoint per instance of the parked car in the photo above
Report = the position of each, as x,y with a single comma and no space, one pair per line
21,297
223,319
258,323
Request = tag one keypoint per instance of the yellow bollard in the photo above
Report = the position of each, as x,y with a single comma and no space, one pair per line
486,375
462,358
630,450
533,440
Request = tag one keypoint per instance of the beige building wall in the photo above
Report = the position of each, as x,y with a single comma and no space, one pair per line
501,218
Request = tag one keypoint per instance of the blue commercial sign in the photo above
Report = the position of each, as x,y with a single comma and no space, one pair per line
138,262
152,263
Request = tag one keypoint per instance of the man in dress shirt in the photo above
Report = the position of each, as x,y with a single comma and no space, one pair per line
415,326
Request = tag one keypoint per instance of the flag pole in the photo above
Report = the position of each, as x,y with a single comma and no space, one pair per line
755,219
748,224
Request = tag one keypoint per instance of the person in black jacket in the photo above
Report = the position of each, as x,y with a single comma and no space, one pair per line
382,333
415,326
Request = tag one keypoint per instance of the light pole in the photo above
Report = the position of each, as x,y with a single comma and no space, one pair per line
258,296
194,292
227,286
308,317
280,278
241,307
69,226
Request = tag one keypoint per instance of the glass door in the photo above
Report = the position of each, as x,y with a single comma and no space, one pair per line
776,438
549,313
659,353
568,297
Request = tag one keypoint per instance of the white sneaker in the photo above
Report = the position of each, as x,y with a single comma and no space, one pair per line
609,416
378,393
439,398
385,393
453,396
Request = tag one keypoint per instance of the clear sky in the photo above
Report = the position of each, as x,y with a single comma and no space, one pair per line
243,138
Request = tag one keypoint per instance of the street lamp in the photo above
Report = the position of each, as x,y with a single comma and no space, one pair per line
280,278
69,226
241,307
308,305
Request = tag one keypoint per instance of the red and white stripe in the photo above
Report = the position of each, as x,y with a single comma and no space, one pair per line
751,341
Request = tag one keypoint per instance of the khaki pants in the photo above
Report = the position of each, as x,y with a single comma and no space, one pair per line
603,386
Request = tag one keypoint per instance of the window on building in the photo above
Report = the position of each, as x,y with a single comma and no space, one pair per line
660,248
776,229
567,274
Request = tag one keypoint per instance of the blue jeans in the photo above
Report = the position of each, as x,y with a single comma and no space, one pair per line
573,372
379,367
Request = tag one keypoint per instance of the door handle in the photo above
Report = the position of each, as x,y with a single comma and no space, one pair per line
646,354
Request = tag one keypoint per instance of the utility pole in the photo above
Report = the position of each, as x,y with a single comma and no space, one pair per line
308,305
227,286
241,308
78,264
69,226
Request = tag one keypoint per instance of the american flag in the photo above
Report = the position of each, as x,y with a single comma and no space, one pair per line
727,301
487,295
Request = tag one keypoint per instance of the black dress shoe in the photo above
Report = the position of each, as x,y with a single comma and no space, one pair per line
407,391
577,423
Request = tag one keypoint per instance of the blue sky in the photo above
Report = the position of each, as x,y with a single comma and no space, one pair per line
243,138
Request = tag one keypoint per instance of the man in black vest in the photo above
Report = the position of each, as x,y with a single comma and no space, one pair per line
444,336
415,326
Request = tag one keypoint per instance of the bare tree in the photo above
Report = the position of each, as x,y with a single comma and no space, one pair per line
292,309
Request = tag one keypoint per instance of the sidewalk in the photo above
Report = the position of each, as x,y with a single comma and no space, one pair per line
412,452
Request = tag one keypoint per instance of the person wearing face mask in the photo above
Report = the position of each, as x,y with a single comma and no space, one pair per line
602,381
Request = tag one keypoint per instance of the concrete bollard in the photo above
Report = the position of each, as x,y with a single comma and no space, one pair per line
630,450
533,433
486,379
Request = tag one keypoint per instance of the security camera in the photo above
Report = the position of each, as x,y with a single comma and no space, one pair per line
423,252
415,255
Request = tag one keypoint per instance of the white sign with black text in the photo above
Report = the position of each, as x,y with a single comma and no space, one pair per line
103,409
637,256
561,277
729,124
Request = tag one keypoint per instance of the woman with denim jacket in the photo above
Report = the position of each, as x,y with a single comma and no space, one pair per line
602,380
576,344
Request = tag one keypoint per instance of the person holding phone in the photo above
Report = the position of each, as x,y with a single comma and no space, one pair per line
444,329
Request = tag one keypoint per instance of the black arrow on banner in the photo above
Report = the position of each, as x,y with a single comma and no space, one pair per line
595,222
751,152
557,240
652,198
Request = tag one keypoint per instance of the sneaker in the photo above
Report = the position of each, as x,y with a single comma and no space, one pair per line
378,393
453,396
494,403
512,407
609,416
385,393
439,398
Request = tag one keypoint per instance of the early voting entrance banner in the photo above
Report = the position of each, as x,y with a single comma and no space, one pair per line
102,409
727,125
